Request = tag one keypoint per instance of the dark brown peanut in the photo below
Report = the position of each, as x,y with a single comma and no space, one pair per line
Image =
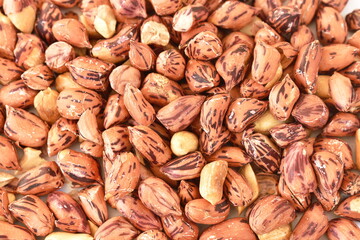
307,9
312,225
141,56
17,94
29,51
57,55
179,114
73,102
185,167
116,227
116,49
264,152
34,213
188,16
135,211
152,235
351,183
8,36
92,202
150,144
341,228
244,111
307,66
353,20
116,140
336,57
251,89
41,180
285,20
123,176
160,90
227,229
71,31
10,231
115,111
237,189
330,25
265,64
138,107
9,157
171,64
341,124
25,128
233,15
159,197
180,228
232,64
188,191
9,71
297,171
47,15
212,114
275,211
39,77
61,135
68,213
311,111
210,145
349,208
204,46
5,214
285,134
338,147
79,168
302,36
234,156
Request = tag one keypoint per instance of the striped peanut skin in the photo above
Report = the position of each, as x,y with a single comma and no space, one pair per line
249,88
302,36
237,37
341,125
244,111
188,191
312,225
25,128
10,231
201,75
34,213
285,134
61,135
71,31
209,145
41,180
202,212
227,228
116,140
307,66
115,111
152,235
234,156
285,20
39,77
150,144
352,72
297,171
327,200
57,55
275,211
68,213
342,228
307,9
90,72
180,113
8,34
72,102
349,208
185,167
136,212
204,46
5,214
213,113
232,64
282,98
88,127
180,227
79,168
92,149
16,94
233,15
141,56
92,202
237,189
123,176
9,71
159,197
29,51
198,28
137,106
351,183
171,64
115,228
188,16
9,157
160,90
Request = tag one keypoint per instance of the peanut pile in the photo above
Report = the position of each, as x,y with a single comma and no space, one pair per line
182,110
